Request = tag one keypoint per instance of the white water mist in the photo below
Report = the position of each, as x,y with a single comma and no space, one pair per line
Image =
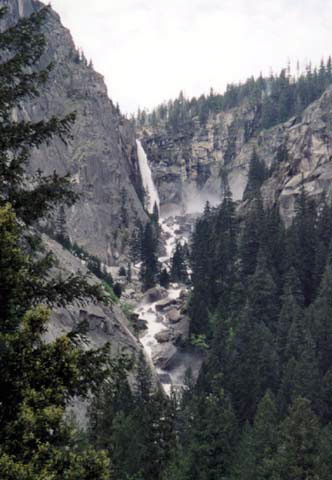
152,196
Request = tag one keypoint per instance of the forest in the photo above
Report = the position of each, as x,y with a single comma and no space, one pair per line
274,99
260,310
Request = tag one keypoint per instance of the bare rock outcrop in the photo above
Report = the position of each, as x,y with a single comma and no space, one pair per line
193,167
101,158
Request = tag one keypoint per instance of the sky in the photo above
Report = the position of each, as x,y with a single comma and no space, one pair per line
149,50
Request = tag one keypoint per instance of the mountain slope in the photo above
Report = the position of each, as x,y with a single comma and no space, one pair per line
102,156
202,160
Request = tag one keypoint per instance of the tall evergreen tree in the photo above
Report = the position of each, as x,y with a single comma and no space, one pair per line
302,239
299,449
37,379
150,265
256,176
211,438
61,232
179,271
201,263
251,237
320,313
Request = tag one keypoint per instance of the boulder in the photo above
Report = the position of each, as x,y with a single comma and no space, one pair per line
155,294
164,356
141,324
133,317
164,336
181,331
129,293
184,309
183,294
174,315
163,304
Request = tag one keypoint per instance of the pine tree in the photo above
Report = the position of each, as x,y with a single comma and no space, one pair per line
136,240
23,45
298,455
254,364
61,228
155,213
256,176
136,428
292,309
37,379
320,313
323,234
164,278
150,265
201,260
265,437
262,294
212,434
224,238
251,237
300,371
244,461
302,239
179,272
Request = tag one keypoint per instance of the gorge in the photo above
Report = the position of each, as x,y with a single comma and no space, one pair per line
167,329
165,281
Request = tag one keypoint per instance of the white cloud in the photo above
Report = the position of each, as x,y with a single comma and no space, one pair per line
148,50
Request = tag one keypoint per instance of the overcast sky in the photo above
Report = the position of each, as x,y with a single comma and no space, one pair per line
149,50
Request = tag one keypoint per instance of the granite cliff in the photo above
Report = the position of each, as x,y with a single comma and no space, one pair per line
102,161
195,165
102,156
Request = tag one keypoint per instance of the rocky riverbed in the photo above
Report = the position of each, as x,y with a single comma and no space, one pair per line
162,314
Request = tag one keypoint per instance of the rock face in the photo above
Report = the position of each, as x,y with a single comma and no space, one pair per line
308,147
191,168
104,323
101,158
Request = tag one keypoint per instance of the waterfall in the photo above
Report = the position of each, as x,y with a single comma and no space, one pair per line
152,196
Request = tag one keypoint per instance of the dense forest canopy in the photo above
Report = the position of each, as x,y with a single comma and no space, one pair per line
262,301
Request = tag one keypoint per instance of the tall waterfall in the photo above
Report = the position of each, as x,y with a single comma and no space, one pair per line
152,196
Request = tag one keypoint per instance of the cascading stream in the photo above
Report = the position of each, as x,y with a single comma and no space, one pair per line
157,314
157,320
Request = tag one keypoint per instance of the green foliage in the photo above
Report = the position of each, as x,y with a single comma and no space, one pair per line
164,278
299,448
23,44
179,269
117,289
37,379
92,262
199,341
109,290
208,438
149,266
256,176
264,314
127,309
135,427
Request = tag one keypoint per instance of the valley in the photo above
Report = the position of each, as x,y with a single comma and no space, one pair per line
165,279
